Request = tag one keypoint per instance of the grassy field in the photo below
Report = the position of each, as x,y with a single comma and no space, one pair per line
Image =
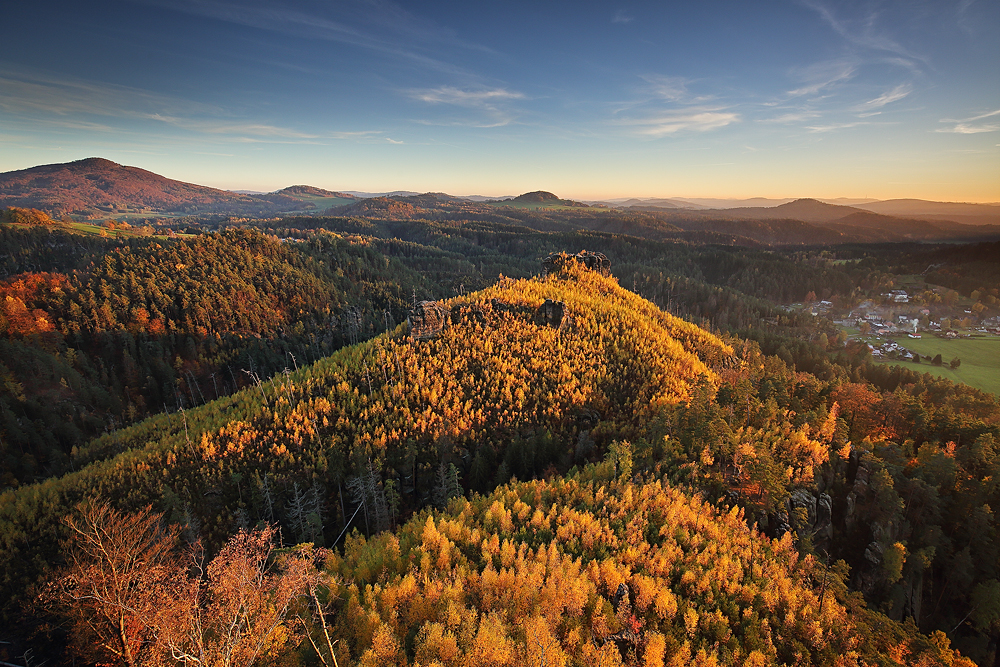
95,230
980,360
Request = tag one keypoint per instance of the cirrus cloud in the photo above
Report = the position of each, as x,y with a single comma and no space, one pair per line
894,95
970,125
491,107
681,120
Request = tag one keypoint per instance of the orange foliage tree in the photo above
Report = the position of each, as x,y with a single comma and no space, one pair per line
119,566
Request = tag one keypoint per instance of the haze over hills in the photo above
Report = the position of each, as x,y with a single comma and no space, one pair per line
96,188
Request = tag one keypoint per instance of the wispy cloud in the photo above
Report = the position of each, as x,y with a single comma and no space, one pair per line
671,89
492,104
971,125
665,105
377,25
393,141
466,98
820,76
963,19
25,92
863,32
93,106
830,127
250,129
621,17
791,117
894,95
672,122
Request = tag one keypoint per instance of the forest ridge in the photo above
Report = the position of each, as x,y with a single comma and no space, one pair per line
95,188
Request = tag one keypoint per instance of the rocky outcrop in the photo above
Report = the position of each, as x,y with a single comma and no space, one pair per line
550,313
427,320
499,306
627,640
595,261
823,528
807,514
802,506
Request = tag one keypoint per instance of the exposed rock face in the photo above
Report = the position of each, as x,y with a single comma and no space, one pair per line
595,261
550,313
627,640
513,308
621,601
427,319
812,515
823,528
804,501
857,494
781,525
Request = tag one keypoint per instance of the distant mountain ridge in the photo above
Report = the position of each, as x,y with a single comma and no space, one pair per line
96,188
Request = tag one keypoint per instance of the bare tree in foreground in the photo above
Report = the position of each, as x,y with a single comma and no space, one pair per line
234,611
118,566
132,601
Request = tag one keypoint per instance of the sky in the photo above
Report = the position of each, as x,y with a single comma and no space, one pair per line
589,100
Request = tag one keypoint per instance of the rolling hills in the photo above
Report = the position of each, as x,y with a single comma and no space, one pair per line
95,188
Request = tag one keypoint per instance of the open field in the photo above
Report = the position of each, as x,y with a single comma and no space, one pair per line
980,360
95,230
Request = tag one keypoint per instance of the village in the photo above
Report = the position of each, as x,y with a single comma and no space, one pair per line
886,324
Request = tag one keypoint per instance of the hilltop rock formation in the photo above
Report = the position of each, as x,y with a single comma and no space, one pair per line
595,261
427,319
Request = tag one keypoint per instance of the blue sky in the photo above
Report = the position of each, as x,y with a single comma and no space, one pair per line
797,98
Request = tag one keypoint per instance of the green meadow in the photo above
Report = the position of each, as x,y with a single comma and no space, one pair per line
980,357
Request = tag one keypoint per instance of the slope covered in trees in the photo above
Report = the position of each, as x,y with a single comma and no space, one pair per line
595,569
907,463
118,330
496,388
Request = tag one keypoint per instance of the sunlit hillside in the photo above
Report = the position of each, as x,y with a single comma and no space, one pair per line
499,393
597,570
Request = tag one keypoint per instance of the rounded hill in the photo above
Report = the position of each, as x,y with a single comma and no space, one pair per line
537,196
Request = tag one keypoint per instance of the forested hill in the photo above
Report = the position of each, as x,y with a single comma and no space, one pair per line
95,186
500,393
116,330
548,377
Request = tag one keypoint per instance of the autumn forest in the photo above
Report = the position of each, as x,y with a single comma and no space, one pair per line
395,439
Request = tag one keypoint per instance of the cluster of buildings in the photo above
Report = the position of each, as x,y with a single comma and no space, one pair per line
892,350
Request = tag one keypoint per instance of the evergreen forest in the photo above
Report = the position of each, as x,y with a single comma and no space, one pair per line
223,443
